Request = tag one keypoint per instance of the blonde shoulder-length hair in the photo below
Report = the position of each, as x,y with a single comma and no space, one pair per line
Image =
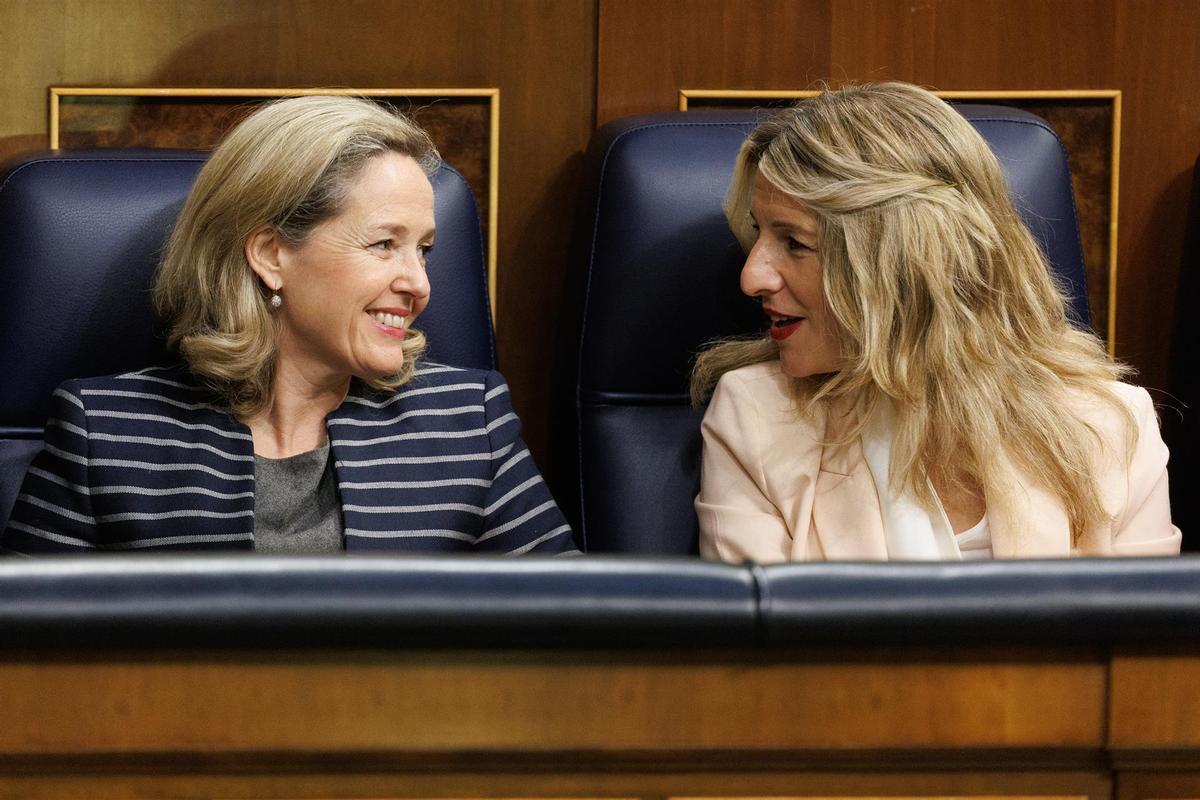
945,304
289,165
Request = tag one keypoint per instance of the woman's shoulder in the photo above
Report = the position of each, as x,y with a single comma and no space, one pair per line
764,392
767,386
1099,410
430,373
1122,415
765,380
172,385
1135,397
175,376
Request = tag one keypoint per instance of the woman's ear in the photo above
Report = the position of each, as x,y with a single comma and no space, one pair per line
264,255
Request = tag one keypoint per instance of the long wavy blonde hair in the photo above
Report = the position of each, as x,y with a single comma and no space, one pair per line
946,305
289,165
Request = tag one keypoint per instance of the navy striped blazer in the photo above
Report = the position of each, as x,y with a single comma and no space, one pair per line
150,460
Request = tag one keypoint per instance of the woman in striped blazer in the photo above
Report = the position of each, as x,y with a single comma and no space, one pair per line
301,418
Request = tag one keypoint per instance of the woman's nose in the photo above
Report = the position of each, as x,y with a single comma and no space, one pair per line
759,276
412,277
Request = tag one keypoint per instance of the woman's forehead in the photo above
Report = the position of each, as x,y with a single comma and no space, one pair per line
767,197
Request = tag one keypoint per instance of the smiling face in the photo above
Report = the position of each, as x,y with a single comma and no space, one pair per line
783,269
353,287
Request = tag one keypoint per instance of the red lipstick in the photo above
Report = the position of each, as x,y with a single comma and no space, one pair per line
782,325
781,332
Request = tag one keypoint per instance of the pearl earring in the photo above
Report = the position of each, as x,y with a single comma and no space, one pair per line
276,300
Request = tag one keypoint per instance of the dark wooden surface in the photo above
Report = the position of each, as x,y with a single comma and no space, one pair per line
816,723
559,724
650,50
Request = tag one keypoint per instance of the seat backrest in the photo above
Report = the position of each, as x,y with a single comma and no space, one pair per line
660,280
80,237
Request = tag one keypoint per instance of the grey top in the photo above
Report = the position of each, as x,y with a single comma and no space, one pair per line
296,508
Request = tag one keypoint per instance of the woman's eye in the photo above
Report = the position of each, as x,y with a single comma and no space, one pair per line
425,249
797,246
382,244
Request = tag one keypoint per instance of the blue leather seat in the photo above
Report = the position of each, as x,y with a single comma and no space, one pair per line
80,236
660,279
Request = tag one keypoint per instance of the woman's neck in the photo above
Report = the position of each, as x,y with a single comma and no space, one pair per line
294,422
962,500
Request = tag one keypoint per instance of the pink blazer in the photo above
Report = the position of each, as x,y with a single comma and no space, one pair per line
771,490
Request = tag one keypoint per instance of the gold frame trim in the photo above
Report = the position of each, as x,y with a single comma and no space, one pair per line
990,94
492,95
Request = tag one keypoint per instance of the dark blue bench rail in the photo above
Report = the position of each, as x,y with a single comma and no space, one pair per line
391,602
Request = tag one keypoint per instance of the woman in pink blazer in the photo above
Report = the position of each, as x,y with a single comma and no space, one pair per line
921,394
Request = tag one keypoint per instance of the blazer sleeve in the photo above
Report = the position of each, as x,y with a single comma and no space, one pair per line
1144,528
738,520
520,515
53,512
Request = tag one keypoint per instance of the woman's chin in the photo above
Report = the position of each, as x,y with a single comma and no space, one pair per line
380,371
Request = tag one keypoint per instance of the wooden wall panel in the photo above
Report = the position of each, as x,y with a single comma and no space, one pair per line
648,50
540,53
1023,44
879,39
1158,66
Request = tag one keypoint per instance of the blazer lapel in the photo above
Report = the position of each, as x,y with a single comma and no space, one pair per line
846,511
1025,520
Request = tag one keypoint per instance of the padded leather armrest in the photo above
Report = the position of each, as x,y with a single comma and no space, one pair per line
1077,601
254,601
468,602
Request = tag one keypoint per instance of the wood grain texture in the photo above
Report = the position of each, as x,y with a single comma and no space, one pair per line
878,40
540,53
564,783
866,723
1155,706
1023,44
549,702
1158,786
926,797
650,49
1160,73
